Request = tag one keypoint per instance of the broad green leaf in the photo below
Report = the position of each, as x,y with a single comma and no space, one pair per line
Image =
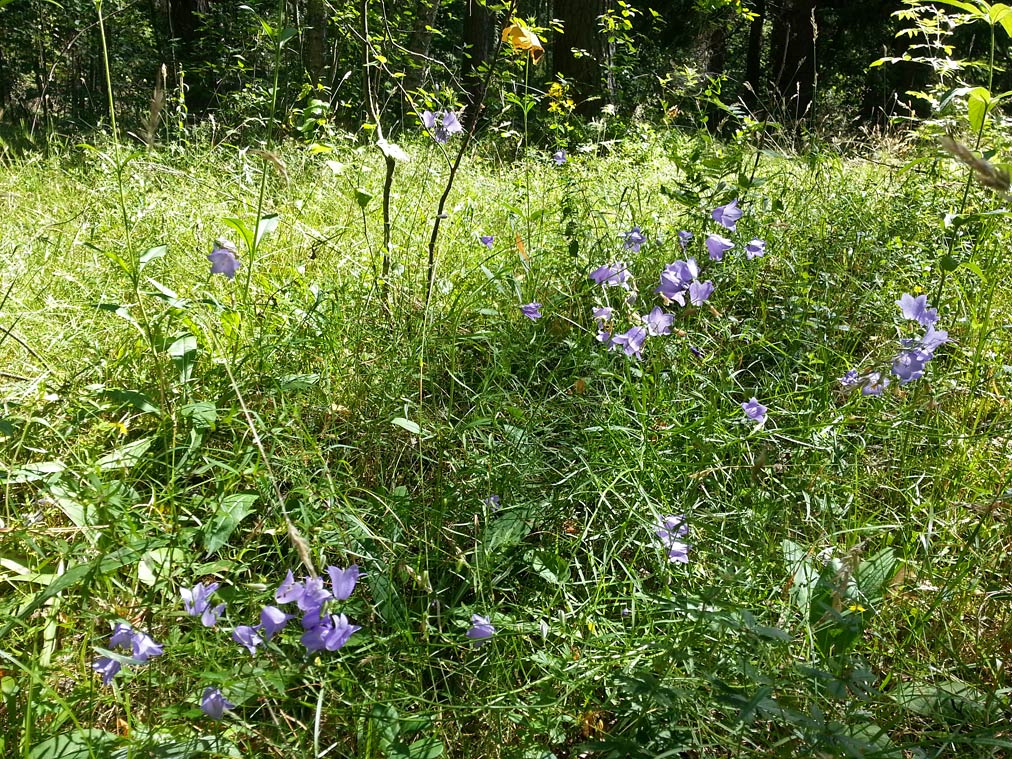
506,530
873,573
126,456
947,701
245,232
386,722
87,743
202,414
160,564
151,254
133,398
977,105
31,472
550,567
183,353
407,424
425,748
1000,13
970,9
975,269
362,197
266,226
230,512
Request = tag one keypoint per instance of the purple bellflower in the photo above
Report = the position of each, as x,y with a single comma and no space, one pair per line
532,311
671,529
717,246
488,241
612,275
727,216
657,322
875,384
492,502
273,621
213,704
196,603
143,647
634,238
850,379
343,581
481,629
247,636
315,594
603,314
223,261
331,633
441,124
917,309
289,590
122,636
909,365
560,157
684,238
631,341
107,667
755,249
754,410
699,292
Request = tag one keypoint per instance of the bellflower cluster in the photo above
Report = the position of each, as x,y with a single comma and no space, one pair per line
441,124
322,630
671,530
717,245
679,283
141,647
634,238
196,603
910,363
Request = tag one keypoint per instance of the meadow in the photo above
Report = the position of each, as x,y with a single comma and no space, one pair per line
526,513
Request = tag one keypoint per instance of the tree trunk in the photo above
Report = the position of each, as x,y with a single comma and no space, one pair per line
419,43
314,51
793,56
754,57
479,33
580,53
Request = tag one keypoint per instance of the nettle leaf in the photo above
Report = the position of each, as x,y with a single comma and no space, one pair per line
229,514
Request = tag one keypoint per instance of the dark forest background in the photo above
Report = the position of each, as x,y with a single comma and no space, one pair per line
184,64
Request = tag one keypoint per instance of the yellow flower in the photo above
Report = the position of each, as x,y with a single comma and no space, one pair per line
522,38
555,91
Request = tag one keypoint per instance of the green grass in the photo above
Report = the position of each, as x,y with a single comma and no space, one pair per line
133,468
